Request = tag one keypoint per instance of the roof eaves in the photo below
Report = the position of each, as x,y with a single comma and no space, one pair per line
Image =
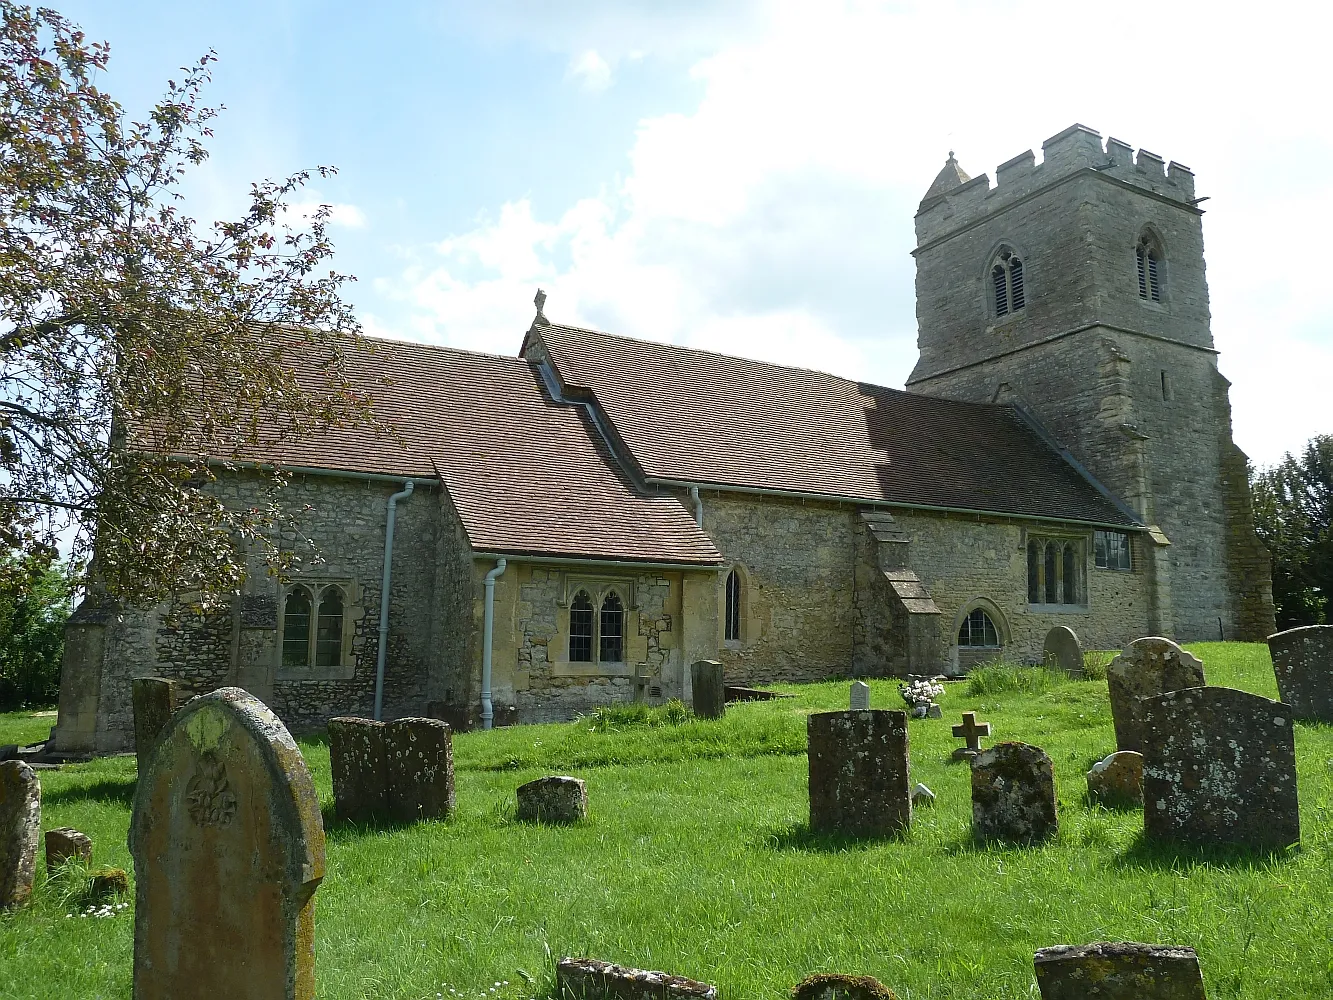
533,555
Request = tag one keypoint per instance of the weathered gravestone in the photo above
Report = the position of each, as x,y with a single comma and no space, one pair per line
1117,780
65,843
1013,794
1146,667
858,773
1219,767
589,979
830,986
20,828
401,770
228,849
1118,971
360,772
1303,663
708,695
154,700
970,730
554,799
860,697
1061,649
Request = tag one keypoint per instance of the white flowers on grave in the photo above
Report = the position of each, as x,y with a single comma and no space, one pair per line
921,692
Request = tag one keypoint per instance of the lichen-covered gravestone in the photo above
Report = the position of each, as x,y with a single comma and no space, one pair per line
228,849
64,843
20,828
360,773
1219,767
1061,649
420,758
858,773
1119,971
154,700
1303,663
708,693
1013,794
1146,667
1117,780
589,979
831,986
554,799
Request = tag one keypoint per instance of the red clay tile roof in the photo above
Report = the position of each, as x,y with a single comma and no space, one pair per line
527,476
698,417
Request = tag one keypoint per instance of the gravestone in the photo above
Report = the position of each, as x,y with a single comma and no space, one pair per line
154,701
1219,767
420,757
1117,780
970,730
589,979
554,799
708,695
65,843
858,773
360,771
860,698
835,987
1303,663
20,828
228,850
1120,971
1062,650
1013,794
1146,667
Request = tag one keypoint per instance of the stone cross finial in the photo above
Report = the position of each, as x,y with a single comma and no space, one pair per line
539,300
972,731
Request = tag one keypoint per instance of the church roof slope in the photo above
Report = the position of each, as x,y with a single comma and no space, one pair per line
526,475
703,418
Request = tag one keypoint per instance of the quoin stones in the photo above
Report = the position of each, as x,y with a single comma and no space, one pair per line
1146,667
1219,767
228,850
858,773
1119,971
20,827
154,700
860,697
401,770
1061,649
1117,780
554,799
708,695
589,979
1303,663
65,843
1013,794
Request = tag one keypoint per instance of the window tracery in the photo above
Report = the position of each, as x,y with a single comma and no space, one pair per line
1007,283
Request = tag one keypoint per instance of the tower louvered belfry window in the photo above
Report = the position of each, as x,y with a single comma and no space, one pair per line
1149,260
1007,283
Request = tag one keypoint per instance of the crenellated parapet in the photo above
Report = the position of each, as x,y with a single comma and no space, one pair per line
1078,149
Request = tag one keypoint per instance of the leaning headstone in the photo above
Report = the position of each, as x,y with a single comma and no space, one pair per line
922,796
1120,971
1146,667
360,771
589,979
154,701
20,828
1219,767
64,843
228,850
1117,780
555,799
1062,650
860,698
708,695
420,757
834,987
1013,794
858,773
1303,663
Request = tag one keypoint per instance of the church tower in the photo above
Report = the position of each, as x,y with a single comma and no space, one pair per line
1075,289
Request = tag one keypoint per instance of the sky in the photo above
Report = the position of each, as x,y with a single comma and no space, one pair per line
741,176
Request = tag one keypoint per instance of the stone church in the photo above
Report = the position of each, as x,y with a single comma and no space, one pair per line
577,523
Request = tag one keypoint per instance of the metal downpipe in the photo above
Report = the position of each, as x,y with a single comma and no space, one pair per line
487,636
384,594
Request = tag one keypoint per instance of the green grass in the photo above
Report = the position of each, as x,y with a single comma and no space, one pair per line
697,860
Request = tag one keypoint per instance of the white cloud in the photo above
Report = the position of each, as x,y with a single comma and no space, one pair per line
775,219
591,70
346,216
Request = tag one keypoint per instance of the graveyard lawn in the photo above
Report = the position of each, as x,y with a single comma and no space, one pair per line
696,859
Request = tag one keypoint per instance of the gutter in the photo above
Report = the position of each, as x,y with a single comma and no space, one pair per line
569,560
487,638
384,593
310,470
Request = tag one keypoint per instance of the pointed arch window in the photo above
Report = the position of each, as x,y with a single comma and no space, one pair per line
612,632
733,622
329,628
1056,571
314,637
1007,283
978,630
296,628
1148,258
580,628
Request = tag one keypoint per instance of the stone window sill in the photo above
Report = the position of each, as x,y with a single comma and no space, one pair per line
339,673
1058,609
577,669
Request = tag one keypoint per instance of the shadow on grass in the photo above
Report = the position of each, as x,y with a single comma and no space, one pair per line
1175,855
799,837
113,791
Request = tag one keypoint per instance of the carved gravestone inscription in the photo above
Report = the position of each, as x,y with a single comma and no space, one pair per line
858,773
1303,663
420,756
1219,767
360,772
1013,794
708,694
154,700
228,850
1062,650
20,827
1120,971
1146,667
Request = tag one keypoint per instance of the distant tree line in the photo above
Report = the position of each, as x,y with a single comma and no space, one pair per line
1293,514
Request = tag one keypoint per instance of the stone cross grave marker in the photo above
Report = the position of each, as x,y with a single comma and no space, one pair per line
20,827
1303,664
1123,970
858,773
1013,794
860,699
1219,767
1061,649
708,694
972,731
228,849
1146,667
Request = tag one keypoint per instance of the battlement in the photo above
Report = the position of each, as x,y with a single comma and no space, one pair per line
1075,149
